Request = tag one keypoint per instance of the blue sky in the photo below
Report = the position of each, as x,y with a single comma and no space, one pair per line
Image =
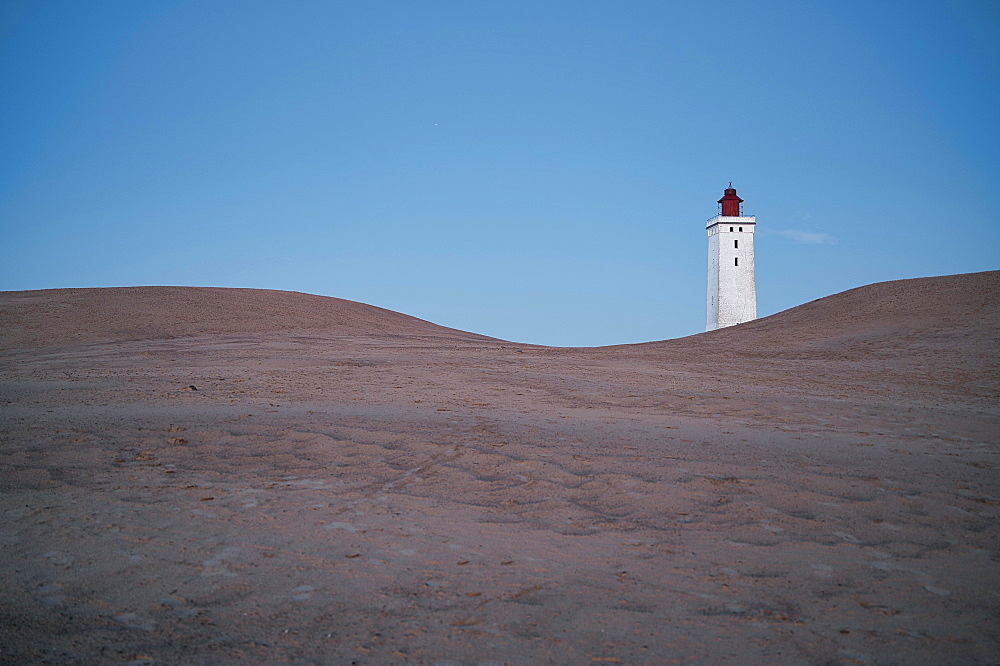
535,171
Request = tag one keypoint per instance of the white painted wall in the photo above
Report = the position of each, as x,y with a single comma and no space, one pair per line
732,287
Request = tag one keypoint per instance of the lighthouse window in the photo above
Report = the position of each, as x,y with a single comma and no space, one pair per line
730,228
741,228
737,261
736,244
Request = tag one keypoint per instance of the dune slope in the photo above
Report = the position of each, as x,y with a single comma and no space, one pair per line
67,316
936,309
219,476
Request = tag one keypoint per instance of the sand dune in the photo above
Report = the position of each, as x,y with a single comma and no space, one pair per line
61,316
226,475
941,311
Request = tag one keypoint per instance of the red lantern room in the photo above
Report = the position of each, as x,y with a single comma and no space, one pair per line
731,203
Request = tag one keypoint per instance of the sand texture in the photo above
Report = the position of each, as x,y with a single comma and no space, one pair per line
222,476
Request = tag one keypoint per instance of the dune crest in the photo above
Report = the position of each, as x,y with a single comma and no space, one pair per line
940,307
72,316
966,305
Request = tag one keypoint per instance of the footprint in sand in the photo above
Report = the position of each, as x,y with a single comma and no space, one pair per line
50,595
178,605
216,565
823,570
302,592
134,621
849,538
346,527
855,657
58,558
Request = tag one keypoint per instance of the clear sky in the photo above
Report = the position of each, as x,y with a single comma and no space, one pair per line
535,171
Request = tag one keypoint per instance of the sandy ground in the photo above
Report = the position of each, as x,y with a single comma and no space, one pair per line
216,476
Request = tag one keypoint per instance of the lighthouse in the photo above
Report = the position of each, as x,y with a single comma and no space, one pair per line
732,285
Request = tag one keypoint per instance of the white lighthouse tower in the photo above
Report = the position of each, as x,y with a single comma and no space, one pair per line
732,286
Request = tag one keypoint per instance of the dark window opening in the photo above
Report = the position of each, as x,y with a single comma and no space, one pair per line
730,228
741,228
736,244
737,261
